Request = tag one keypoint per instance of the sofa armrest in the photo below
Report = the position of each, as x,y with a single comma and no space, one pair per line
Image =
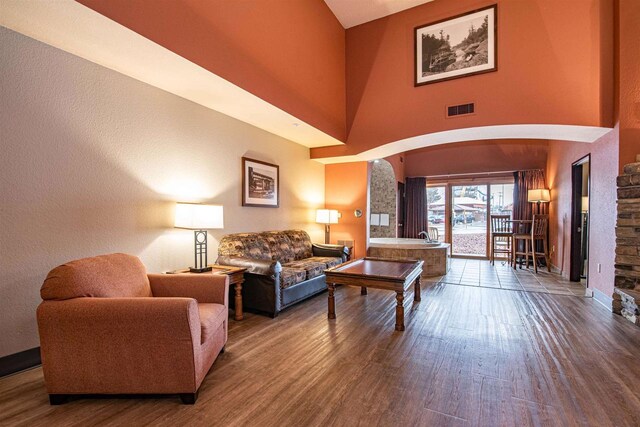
254,266
338,251
116,341
203,287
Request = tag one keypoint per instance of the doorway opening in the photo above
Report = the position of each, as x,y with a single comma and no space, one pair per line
580,192
460,210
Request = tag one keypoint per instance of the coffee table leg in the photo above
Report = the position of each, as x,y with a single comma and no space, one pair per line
363,290
239,314
416,293
400,311
332,301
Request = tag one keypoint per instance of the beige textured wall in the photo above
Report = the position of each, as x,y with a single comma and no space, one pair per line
92,162
382,190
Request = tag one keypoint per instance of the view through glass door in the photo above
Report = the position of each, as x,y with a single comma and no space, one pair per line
469,220
436,209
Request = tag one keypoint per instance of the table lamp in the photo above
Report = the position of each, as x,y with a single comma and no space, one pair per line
199,218
326,217
538,195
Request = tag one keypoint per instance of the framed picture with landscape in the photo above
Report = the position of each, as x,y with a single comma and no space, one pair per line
260,184
456,47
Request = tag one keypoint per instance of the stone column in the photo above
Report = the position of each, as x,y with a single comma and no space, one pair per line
626,295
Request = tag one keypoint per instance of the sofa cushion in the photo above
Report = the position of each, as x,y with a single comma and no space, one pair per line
301,243
312,269
280,246
211,317
245,245
104,276
291,276
328,261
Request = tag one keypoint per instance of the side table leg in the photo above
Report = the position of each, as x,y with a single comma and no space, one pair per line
332,301
416,293
363,290
239,314
400,311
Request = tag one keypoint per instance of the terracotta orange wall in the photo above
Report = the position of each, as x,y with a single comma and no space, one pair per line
346,189
477,157
629,79
604,169
555,66
289,53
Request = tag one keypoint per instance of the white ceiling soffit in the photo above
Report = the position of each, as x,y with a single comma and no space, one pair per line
72,27
547,132
355,12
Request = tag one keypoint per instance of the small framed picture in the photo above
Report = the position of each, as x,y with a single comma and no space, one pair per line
260,184
375,219
456,47
384,220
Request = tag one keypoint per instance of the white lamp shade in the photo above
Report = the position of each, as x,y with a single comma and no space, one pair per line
585,203
327,216
198,217
539,195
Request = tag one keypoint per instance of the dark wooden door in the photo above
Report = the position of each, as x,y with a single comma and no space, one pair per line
576,254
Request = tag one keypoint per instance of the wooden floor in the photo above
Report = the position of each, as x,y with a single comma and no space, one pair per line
469,356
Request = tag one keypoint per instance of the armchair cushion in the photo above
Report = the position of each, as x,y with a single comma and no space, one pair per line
211,317
105,276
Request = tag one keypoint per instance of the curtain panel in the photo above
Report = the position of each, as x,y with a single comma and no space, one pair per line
522,208
415,207
523,182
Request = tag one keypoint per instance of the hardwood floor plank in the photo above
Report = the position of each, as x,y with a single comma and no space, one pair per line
469,356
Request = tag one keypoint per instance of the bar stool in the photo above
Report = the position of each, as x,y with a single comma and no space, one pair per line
538,232
501,236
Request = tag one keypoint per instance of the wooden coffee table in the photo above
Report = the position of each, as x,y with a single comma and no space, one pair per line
391,274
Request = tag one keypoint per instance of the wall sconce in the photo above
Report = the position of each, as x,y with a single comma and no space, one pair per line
538,195
199,218
326,217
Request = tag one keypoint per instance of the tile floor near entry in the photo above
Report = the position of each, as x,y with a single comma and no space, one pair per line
472,272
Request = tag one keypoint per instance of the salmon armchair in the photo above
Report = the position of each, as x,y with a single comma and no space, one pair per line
108,327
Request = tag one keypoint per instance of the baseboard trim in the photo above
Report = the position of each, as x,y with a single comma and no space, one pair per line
555,269
602,298
19,361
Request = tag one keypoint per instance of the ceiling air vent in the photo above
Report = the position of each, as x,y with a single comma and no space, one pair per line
460,110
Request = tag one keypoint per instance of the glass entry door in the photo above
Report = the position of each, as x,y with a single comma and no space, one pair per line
437,209
469,220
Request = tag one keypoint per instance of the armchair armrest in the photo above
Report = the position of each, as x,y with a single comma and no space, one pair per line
203,287
254,266
326,250
109,343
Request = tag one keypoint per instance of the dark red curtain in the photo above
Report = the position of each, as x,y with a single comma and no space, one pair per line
523,182
522,208
415,207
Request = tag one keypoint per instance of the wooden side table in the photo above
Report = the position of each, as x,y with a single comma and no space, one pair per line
236,278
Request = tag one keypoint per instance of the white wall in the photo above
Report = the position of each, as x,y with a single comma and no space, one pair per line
92,161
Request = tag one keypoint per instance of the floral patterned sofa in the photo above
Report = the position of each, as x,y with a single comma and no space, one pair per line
283,267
